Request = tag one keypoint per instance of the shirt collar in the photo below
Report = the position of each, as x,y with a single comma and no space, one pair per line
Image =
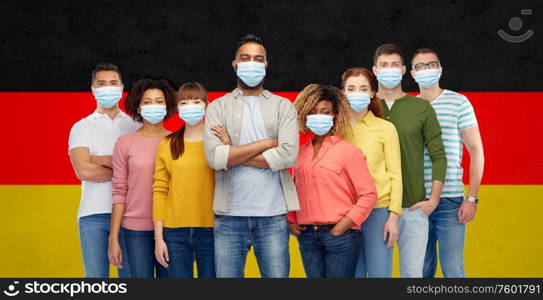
329,139
332,139
395,100
265,93
97,115
437,98
368,119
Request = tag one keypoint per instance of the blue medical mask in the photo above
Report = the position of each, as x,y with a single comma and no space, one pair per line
427,78
319,124
192,113
108,96
358,101
389,77
153,113
251,73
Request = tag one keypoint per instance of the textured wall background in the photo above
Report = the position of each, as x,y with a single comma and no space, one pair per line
53,45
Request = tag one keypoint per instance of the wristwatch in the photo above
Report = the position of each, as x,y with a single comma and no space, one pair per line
472,199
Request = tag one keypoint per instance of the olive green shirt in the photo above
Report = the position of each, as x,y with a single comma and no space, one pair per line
417,126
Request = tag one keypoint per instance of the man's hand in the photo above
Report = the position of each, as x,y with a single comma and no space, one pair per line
466,212
222,134
427,207
273,143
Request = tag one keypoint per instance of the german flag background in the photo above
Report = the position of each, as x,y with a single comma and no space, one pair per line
48,49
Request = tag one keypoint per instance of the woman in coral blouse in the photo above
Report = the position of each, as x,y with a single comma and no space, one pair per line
334,185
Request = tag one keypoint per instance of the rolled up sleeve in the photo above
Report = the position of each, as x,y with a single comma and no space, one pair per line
285,155
216,152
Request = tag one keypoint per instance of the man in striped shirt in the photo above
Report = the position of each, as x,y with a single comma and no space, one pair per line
458,125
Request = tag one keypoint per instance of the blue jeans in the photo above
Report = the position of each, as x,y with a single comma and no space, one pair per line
269,236
446,230
93,235
375,259
139,253
412,242
185,246
328,256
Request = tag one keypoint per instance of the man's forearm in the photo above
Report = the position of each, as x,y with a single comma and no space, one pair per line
94,172
238,155
437,188
476,167
103,160
257,162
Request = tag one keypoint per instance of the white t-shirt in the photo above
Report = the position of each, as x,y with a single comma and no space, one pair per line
389,104
98,133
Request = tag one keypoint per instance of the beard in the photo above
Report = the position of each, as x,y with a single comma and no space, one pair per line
246,87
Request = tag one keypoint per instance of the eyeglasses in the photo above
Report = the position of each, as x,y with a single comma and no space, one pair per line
424,66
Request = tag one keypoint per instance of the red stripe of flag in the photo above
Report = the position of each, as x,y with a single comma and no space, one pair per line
36,126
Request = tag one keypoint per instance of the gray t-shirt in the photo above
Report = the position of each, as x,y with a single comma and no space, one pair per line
255,192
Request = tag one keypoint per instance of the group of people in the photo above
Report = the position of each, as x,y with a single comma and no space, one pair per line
379,166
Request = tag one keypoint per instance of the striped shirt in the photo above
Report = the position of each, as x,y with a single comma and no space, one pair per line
454,113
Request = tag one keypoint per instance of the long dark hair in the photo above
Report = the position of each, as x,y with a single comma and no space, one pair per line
187,91
374,105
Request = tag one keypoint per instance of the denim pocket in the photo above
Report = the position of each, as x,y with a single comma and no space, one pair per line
346,233
421,212
457,201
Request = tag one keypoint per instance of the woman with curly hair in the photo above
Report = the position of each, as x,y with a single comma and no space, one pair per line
334,186
149,102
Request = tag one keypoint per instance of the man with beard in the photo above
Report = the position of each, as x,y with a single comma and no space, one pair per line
251,139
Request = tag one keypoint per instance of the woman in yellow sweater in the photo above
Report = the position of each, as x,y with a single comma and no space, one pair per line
378,139
183,193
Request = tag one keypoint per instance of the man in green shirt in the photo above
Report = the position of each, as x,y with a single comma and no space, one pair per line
417,127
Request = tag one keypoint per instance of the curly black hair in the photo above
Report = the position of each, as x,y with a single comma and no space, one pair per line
133,99
248,38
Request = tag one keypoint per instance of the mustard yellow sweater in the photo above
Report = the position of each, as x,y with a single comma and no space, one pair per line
183,188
